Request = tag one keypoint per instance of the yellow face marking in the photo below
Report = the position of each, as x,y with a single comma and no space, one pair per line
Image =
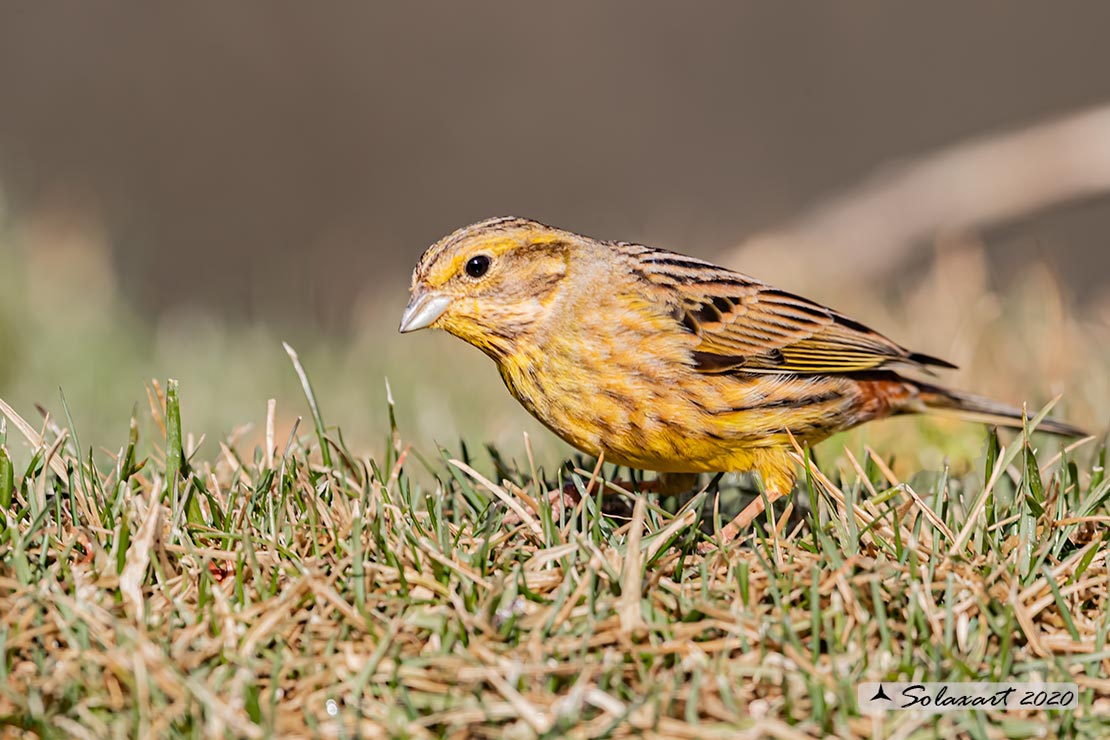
493,244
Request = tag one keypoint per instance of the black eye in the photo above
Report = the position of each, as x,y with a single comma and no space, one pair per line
477,266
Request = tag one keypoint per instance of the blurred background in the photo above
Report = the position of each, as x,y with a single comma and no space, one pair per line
185,186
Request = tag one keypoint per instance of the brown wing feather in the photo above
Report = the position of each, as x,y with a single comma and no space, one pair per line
748,326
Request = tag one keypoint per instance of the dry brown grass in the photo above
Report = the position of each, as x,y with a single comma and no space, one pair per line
265,593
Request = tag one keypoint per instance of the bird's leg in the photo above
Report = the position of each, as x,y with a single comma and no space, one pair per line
778,480
751,512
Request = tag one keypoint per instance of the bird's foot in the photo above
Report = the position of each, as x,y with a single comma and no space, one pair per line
567,498
559,499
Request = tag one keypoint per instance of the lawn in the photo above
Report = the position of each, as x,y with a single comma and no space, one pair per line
297,588
228,568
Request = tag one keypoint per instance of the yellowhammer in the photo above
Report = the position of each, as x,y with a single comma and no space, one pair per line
665,362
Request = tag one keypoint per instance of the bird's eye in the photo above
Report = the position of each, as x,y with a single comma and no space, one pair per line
477,266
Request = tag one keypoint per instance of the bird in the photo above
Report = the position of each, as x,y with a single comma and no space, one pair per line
663,362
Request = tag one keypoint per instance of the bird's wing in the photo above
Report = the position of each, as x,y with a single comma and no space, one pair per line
745,325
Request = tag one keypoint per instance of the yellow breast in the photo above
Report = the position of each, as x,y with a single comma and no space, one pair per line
622,382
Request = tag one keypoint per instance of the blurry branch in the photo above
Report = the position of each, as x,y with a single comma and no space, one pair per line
873,229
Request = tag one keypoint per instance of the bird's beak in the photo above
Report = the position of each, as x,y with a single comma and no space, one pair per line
423,309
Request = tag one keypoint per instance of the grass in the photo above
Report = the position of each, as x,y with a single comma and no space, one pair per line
300,589
190,574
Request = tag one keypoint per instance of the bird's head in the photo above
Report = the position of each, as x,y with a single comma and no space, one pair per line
489,282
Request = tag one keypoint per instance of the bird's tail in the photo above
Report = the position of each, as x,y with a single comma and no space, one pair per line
978,408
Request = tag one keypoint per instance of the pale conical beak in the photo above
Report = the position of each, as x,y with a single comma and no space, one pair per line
423,309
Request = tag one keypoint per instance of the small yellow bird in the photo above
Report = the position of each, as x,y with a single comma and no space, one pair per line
666,362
